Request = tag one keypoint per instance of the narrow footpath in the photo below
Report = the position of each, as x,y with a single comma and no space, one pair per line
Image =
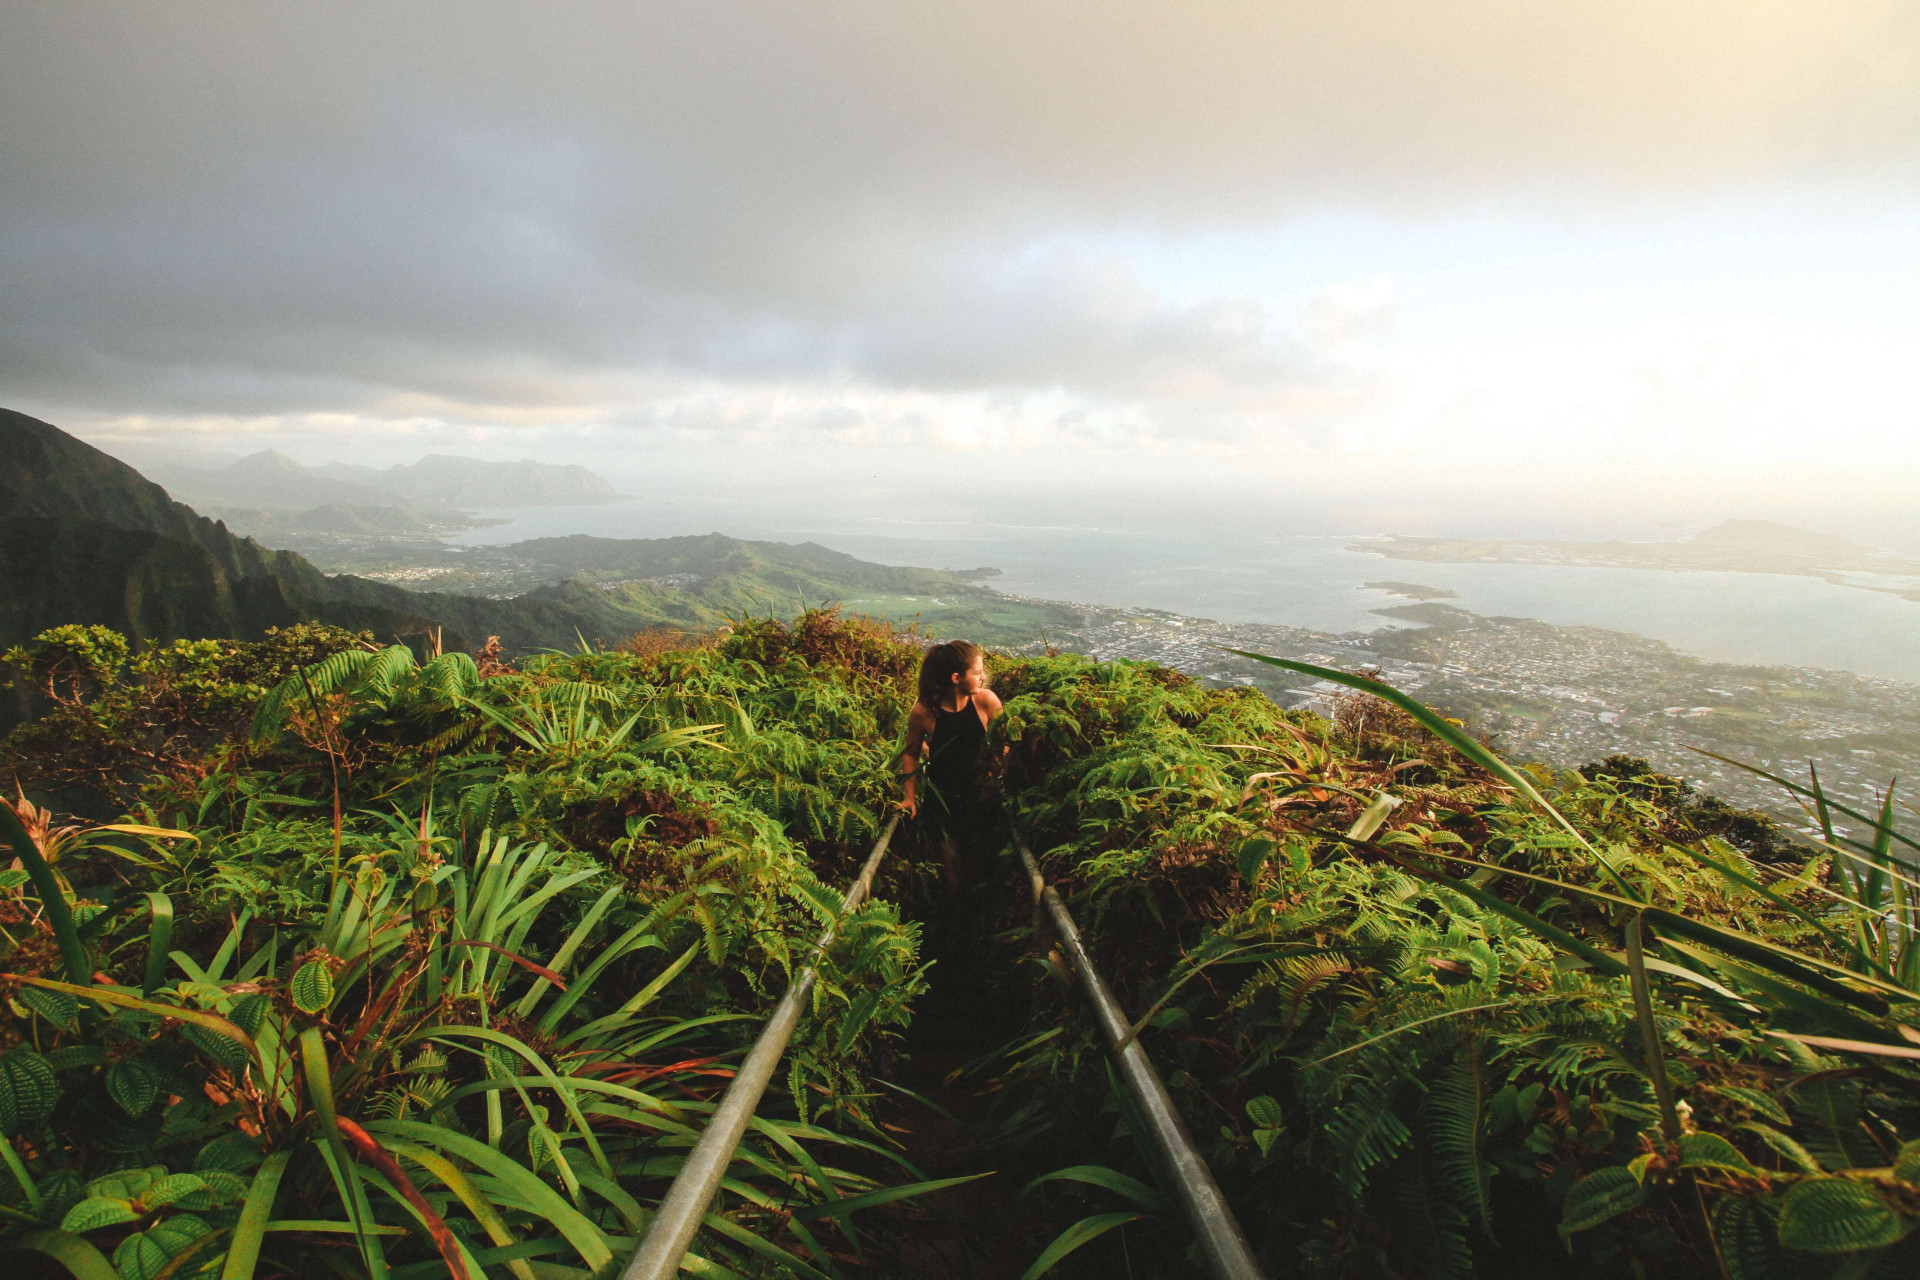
982,1230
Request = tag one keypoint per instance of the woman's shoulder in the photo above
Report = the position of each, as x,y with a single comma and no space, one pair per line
987,701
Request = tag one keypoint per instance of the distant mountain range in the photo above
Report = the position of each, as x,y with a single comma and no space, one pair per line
1740,546
438,484
469,482
84,538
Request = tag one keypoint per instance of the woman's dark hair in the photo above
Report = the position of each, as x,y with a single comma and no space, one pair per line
938,669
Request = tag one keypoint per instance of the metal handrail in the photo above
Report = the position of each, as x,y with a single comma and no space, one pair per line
679,1217
1222,1243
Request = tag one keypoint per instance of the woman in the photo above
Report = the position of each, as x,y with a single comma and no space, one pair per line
947,732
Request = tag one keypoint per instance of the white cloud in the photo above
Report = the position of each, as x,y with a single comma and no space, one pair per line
1688,393
873,226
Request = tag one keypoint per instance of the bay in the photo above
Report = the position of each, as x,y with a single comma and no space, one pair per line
1315,581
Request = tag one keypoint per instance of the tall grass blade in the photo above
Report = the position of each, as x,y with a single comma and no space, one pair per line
1080,1233
53,899
243,1251
1454,737
76,1254
159,939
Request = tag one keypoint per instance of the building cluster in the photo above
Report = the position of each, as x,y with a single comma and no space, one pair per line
1569,696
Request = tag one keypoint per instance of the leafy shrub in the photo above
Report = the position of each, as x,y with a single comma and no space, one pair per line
460,963
1420,1048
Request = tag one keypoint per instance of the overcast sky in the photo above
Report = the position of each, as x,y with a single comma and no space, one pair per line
1093,240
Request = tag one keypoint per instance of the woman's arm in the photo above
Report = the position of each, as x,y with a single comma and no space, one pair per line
917,730
987,703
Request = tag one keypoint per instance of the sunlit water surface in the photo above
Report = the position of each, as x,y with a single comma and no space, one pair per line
1313,581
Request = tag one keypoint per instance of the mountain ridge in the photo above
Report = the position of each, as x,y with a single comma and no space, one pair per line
87,539
440,485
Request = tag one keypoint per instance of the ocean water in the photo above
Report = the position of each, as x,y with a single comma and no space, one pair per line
1310,580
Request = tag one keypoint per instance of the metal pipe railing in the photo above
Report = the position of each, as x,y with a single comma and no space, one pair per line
679,1217
1215,1229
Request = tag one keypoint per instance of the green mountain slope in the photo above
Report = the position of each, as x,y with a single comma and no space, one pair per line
84,538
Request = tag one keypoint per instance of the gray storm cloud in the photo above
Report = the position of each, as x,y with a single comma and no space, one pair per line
263,209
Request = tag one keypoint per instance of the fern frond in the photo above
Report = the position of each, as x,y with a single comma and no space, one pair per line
385,671
1364,1132
336,672
1426,1220
1454,1115
270,716
449,677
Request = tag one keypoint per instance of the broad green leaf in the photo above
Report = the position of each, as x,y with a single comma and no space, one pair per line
1836,1215
96,1212
165,1191
1254,853
118,1186
1265,1111
133,1084
1711,1151
312,987
248,1011
1745,1238
121,1000
1762,1104
224,1050
1906,1165
232,1153
74,1056
222,1188
1600,1197
179,1231
28,1089
140,1257
1794,1153
57,1007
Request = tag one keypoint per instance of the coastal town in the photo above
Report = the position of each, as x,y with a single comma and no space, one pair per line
1569,696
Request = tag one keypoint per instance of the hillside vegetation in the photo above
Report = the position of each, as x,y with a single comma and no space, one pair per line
465,953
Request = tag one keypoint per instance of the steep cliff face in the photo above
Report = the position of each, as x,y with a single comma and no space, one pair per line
86,538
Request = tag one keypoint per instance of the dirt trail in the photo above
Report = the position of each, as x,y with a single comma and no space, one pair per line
980,1231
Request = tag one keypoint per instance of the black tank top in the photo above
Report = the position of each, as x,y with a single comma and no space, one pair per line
953,753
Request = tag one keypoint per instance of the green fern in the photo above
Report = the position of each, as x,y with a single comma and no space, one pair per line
1454,1116
1427,1221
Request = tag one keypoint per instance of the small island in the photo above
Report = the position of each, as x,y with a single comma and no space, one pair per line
1412,590
1735,546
